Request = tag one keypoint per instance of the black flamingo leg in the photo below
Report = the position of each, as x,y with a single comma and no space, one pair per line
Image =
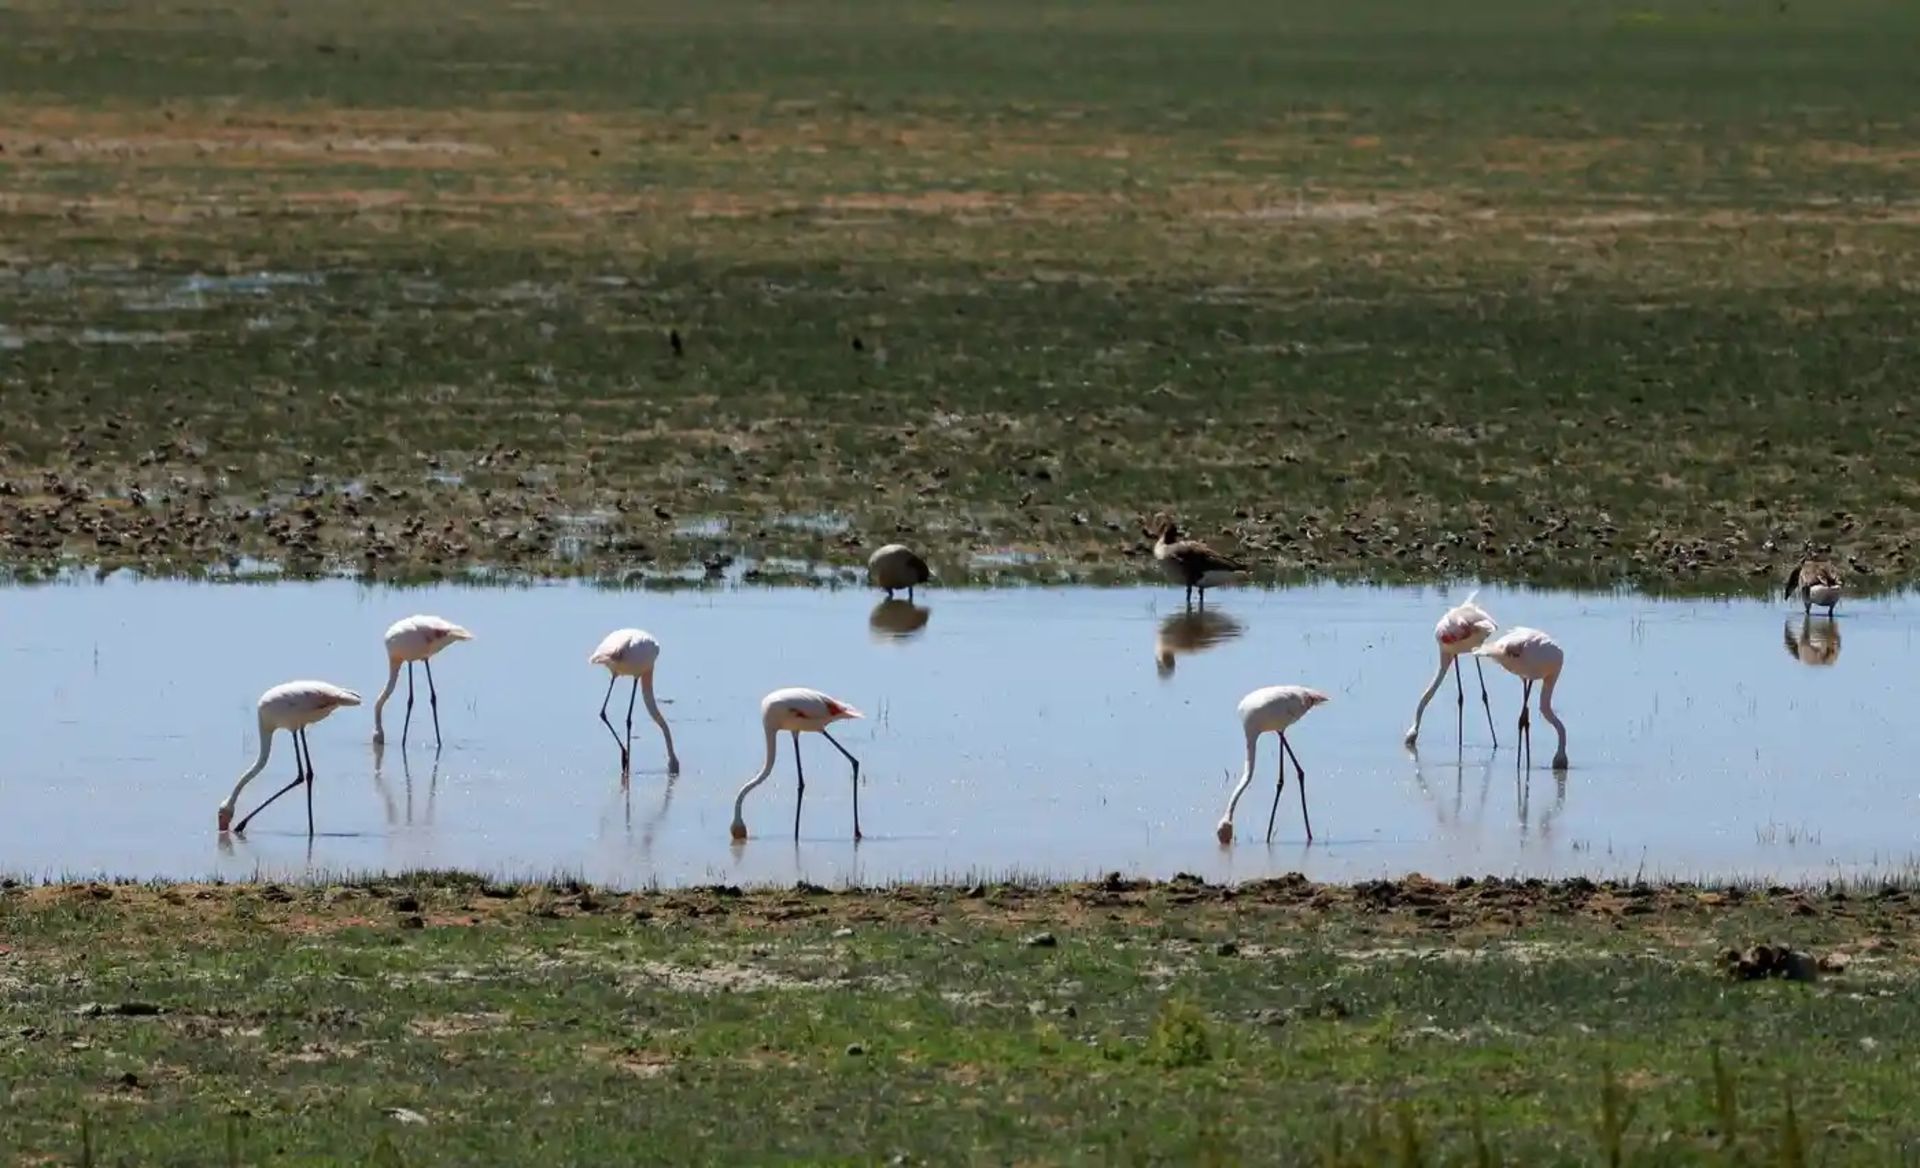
433,700
408,720
1299,780
856,780
611,682
1485,702
799,786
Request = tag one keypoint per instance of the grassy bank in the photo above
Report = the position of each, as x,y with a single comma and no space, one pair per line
1530,292
441,1020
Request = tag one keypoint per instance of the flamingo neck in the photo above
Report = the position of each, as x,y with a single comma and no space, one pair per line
1546,710
380,703
653,711
766,768
1433,687
259,764
1246,777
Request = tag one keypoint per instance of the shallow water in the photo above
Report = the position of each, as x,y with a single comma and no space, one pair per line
1048,732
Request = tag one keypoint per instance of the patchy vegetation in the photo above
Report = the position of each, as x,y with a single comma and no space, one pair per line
447,1020
1578,295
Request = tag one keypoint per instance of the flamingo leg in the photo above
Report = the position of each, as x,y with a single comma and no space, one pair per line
1526,723
433,700
799,786
1459,702
300,741
856,780
1279,785
299,776
408,720
1485,702
626,748
613,680
1299,780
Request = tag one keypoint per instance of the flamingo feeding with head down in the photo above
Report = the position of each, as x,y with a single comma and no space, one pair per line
1272,710
632,653
1532,656
797,710
291,707
1463,629
415,638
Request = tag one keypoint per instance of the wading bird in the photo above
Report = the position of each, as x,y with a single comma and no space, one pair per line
1817,581
291,707
1532,656
1817,642
1192,563
896,566
1272,711
632,653
797,710
1463,629
416,638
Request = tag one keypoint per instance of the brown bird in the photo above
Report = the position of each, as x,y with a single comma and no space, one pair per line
1814,642
1192,563
1817,581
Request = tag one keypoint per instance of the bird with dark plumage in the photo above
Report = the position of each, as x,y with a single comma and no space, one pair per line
897,566
1192,563
1817,581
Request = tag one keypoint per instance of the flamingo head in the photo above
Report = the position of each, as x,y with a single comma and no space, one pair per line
226,817
1224,833
837,711
738,831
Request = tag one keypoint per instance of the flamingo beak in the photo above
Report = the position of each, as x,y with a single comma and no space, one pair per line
1225,833
738,831
226,819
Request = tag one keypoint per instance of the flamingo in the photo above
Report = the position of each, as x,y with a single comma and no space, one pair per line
1272,710
1532,656
292,707
415,638
632,653
1464,628
1192,563
1817,582
795,710
896,566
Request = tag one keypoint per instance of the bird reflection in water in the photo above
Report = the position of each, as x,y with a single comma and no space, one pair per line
898,620
1815,642
1191,631
406,769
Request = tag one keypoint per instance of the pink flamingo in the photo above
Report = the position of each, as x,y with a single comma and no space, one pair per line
415,638
1532,656
632,653
797,710
292,707
1463,629
1272,710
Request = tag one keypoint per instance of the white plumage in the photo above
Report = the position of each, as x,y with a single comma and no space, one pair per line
1464,628
633,653
292,706
1532,656
798,710
410,639
1272,710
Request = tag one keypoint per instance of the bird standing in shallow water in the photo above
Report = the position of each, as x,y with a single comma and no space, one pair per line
1463,629
797,710
1272,710
1532,656
292,707
415,638
896,566
1192,563
633,653
1817,581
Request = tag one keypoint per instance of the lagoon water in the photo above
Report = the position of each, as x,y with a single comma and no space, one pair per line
1058,732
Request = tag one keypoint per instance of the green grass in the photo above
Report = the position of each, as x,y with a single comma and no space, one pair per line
1555,293
1171,1023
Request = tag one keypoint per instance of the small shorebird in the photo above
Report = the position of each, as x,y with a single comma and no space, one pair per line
1272,711
796,710
1817,582
1192,563
1463,629
1531,656
633,653
292,707
410,639
896,566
